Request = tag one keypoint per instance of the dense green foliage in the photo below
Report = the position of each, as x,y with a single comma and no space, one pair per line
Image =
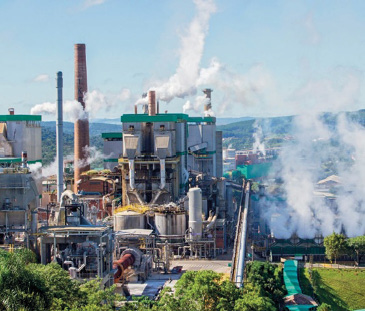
27,285
335,245
357,244
268,279
239,135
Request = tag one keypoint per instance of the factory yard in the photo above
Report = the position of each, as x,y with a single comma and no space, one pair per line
220,266
343,289
157,281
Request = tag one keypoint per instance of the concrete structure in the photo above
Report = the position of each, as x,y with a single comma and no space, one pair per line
19,199
85,250
129,220
81,133
112,149
20,133
195,214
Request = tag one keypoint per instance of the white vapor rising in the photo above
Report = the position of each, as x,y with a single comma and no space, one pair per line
258,145
197,106
72,110
95,102
252,88
93,156
310,210
183,82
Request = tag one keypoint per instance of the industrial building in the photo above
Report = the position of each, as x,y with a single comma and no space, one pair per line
20,145
160,196
171,179
20,133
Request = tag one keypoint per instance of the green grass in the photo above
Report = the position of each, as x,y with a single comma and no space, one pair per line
343,289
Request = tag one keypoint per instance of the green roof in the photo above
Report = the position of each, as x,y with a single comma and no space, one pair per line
17,160
112,135
291,277
20,117
164,117
301,307
255,170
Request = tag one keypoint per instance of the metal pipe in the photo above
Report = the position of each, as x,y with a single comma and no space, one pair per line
123,263
24,159
162,173
131,174
59,136
242,245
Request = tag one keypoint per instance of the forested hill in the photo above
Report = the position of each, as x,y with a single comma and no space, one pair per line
49,138
238,135
275,131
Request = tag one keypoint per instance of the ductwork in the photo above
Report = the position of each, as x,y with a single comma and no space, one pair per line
131,174
162,173
24,159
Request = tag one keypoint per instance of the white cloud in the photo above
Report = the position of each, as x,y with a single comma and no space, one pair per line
90,3
41,78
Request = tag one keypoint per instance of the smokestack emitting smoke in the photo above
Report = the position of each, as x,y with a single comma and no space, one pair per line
81,125
59,136
208,105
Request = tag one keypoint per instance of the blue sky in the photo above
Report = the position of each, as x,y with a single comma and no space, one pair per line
275,57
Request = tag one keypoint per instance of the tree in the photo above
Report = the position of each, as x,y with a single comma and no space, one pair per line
267,279
200,290
358,245
253,301
324,307
335,245
21,287
64,292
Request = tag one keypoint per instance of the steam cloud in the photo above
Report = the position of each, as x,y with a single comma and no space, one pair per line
258,145
324,144
95,102
183,82
189,75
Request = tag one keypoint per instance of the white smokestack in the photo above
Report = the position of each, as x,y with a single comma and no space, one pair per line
59,136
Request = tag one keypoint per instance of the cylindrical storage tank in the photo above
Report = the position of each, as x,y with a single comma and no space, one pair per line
129,220
195,213
170,224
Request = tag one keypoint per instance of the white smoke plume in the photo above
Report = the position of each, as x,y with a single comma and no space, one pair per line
258,144
309,209
72,110
183,82
251,88
95,102
38,171
198,105
93,156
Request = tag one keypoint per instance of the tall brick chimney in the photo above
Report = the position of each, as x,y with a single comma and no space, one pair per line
81,135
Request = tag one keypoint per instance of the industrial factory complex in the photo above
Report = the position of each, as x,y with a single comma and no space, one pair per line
161,196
